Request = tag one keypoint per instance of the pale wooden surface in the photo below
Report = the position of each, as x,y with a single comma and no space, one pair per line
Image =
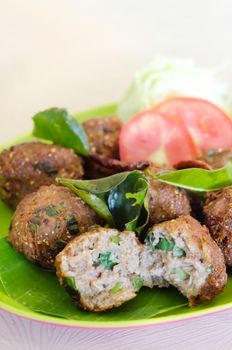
79,54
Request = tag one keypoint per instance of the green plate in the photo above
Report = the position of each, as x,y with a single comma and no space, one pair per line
31,292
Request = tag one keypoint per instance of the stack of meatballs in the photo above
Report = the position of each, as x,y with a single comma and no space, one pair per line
101,267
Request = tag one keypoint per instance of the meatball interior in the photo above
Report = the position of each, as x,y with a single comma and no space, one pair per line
26,167
101,268
46,220
181,253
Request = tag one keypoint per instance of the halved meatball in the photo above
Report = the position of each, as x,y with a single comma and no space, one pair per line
26,167
165,202
218,219
103,135
182,253
100,269
46,220
217,158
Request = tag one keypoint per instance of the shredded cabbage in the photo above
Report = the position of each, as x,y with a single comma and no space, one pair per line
165,77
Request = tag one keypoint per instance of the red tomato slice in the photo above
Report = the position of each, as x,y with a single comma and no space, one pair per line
209,126
149,135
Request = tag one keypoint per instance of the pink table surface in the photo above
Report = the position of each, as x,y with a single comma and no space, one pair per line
212,331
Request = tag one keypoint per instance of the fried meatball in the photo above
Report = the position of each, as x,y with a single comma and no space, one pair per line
26,167
100,269
218,219
44,221
182,253
217,159
103,135
165,202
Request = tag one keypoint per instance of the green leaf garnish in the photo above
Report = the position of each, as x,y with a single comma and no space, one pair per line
95,202
98,186
199,180
117,288
70,281
128,203
178,252
106,261
137,282
120,199
115,239
56,125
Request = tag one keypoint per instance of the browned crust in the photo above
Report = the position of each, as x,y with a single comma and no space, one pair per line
218,218
40,224
103,135
165,202
26,167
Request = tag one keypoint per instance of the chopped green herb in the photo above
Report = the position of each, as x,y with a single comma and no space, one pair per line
181,274
159,243
60,244
34,224
105,261
56,125
177,251
72,226
117,288
115,239
61,205
47,167
33,227
137,282
70,281
165,244
51,210
151,240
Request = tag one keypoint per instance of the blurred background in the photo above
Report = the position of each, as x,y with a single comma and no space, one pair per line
82,53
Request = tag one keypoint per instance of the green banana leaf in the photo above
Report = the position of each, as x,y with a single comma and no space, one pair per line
24,286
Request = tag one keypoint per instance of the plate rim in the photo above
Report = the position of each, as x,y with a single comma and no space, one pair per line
156,321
